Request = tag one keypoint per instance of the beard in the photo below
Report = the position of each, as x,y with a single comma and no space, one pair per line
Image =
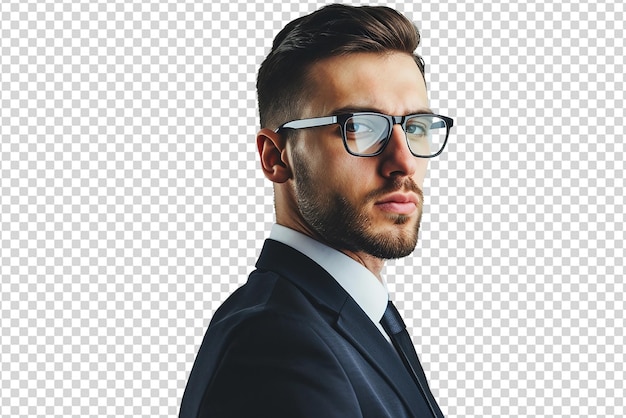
346,226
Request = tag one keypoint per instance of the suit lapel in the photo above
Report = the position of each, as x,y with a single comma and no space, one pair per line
350,320
380,354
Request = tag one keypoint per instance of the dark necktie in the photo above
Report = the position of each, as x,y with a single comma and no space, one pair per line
394,326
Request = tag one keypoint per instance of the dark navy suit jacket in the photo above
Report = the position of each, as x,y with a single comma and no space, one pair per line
292,343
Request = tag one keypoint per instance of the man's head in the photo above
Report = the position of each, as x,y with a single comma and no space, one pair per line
345,60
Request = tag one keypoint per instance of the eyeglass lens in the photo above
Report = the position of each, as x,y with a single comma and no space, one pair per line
368,134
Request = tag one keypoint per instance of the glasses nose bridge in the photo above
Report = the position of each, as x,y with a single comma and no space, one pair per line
397,120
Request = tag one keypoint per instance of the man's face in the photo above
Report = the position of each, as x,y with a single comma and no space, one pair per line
371,205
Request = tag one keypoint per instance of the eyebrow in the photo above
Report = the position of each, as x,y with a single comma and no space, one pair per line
356,109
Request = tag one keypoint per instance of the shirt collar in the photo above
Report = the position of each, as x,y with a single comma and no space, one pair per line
360,283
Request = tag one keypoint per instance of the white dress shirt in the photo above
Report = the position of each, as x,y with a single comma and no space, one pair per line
360,283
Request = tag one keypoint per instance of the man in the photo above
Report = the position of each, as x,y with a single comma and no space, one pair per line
311,333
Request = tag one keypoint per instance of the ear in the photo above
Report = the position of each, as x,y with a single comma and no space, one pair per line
272,150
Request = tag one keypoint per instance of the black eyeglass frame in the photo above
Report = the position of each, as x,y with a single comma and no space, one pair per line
391,120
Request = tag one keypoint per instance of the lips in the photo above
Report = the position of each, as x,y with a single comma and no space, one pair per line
399,203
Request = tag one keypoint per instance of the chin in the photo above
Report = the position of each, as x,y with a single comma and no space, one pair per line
401,219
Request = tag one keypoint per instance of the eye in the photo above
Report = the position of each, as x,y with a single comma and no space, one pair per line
357,127
415,128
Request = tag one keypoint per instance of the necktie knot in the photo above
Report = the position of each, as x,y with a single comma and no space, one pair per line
392,321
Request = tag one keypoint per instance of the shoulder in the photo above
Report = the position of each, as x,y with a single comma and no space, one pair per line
279,363
267,316
268,346
268,295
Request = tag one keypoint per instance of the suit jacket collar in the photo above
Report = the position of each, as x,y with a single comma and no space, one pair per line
304,273
349,319
368,291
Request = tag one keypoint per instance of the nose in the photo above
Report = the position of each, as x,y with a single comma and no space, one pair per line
396,158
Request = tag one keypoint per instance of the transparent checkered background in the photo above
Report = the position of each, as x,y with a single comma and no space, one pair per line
132,205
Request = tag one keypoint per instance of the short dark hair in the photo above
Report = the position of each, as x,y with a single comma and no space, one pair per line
330,31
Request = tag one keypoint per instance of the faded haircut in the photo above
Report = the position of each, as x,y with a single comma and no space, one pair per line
282,82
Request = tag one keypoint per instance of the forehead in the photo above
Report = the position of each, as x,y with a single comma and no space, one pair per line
389,83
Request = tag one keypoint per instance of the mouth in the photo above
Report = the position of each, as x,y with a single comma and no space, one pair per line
398,203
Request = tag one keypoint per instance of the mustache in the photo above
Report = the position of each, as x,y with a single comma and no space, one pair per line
398,185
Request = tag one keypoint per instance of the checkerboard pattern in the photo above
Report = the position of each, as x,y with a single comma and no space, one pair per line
132,204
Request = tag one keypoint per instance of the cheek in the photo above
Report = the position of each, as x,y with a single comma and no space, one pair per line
338,177
328,160
357,178
346,176
420,172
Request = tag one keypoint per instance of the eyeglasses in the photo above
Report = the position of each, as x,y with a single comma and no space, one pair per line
366,134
